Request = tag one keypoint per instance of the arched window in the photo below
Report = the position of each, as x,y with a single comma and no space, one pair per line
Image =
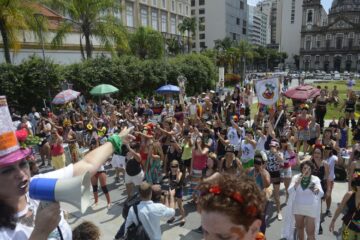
310,17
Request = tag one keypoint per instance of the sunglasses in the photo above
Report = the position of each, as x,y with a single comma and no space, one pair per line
258,161
174,166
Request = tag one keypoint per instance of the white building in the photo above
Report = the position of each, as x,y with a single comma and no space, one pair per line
257,27
161,15
290,21
217,19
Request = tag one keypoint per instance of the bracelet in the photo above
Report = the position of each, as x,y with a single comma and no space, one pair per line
116,141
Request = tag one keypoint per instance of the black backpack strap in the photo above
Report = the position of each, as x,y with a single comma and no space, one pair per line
137,214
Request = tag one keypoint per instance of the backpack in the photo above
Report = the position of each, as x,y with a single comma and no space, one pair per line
136,232
132,202
340,173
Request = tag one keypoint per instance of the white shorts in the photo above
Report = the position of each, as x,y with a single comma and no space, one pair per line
286,173
118,161
304,210
136,180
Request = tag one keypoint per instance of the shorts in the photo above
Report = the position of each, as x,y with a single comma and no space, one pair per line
136,180
311,141
179,193
286,172
118,161
248,164
187,163
275,177
303,135
58,161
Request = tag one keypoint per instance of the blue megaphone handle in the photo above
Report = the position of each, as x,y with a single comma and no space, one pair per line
43,189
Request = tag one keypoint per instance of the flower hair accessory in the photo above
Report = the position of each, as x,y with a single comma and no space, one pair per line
251,210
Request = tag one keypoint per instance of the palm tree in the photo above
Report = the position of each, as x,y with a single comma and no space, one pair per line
173,46
15,16
92,18
189,25
147,43
244,51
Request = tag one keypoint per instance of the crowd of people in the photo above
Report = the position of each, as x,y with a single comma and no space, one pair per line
213,149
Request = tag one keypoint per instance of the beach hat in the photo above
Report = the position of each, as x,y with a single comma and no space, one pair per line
10,151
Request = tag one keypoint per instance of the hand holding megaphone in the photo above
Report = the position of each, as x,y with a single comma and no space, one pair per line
47,219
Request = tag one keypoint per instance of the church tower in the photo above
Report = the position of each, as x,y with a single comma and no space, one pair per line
312,15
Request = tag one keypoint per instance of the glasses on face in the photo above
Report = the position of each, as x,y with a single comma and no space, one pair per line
174,166
257,161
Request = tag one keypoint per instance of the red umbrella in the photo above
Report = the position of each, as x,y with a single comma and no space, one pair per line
303,92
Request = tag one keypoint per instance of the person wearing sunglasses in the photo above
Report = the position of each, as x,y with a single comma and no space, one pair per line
261,177
176,178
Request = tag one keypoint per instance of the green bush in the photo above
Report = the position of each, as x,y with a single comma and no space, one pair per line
27,84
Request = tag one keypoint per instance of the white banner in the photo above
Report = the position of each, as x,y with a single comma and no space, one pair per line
267,90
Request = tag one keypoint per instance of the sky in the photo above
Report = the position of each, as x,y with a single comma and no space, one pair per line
326,3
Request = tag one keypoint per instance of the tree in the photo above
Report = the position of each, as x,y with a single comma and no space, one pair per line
173,46
15,16
189,25
92,18
243,51
147,43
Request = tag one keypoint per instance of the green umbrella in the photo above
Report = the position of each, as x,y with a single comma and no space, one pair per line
103,89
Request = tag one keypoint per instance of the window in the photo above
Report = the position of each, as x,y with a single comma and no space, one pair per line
328,36
339,42
202,36
328,44
201,27
202,20
318,41
173,25
173,6
154,20
292,11
193,3
163,3
201,2
308,43
202,11
117,14
202,45
350,43
244,30
187,10
310,17
238,21
144,17
234,36
348,57
317,59
129,16
180,8
154,2
241,5
192,12
164,22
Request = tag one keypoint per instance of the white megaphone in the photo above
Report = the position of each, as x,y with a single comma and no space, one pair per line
75,191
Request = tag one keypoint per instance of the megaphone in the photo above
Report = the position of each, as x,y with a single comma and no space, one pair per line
75,191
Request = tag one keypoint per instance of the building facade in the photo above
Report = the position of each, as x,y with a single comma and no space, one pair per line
330,42
217,19
289,25
257,27
161,15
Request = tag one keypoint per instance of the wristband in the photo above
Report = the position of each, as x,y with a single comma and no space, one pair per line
116,141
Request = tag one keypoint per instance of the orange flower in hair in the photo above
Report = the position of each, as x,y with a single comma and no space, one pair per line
260,236
237,197
251,210
215,189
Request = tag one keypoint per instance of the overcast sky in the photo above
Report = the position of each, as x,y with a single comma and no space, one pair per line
325,3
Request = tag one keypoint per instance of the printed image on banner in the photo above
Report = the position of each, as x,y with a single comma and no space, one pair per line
267,91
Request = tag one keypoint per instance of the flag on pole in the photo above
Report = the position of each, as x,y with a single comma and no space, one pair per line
267,90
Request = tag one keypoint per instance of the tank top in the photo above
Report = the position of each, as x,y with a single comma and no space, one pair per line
354,222
303,123
350,105
233,165
133,167
344,137
321,104
173,183
258,178
319,171
199,160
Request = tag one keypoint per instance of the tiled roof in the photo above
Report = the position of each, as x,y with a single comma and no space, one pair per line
54,18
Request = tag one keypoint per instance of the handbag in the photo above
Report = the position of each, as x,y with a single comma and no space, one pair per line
346,232
136,232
